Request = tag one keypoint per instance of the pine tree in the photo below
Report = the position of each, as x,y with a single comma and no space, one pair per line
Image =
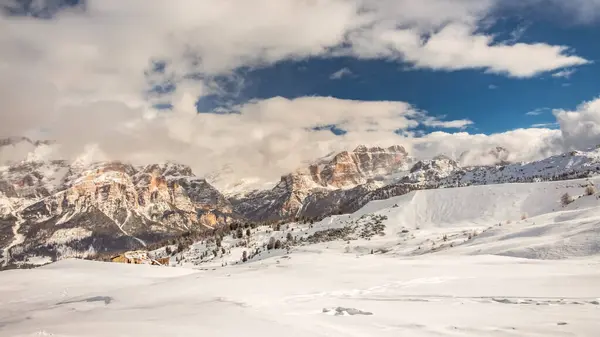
271,243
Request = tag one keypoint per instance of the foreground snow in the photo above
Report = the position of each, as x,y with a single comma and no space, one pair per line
446,262
424,296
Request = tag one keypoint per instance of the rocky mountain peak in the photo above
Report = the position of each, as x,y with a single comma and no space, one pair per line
431,170
344,171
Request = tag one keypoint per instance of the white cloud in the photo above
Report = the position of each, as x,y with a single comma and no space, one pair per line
340,74
521,144
580,128
455,124
564,73
492,87
545,125
80,77
456,46
537,112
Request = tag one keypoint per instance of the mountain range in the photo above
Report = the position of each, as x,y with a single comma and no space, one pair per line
59,209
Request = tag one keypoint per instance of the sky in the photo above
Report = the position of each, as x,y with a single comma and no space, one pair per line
258,88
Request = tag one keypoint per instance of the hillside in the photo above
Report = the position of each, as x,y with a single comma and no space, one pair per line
526,220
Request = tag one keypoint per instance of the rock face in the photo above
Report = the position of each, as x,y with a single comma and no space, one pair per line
58,209
345,171
433,170
349,169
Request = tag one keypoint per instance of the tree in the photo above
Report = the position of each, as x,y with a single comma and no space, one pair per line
277,244
289,237
566,199
168,250
271,243
248,233
239,233
244,256
590,190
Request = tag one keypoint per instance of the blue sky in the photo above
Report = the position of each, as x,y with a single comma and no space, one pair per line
494,102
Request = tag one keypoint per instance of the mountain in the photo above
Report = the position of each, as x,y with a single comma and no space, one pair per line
56,209
358,169
443,172
350,180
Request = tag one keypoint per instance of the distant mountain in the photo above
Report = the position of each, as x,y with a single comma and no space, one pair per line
53,208
57,209
363,168
443,172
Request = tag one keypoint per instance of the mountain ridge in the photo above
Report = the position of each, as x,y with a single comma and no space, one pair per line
54,208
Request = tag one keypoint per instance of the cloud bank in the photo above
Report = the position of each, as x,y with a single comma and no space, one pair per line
88,76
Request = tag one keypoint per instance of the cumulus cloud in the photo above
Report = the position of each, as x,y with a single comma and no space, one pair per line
457,46
87,77
580,129
540,143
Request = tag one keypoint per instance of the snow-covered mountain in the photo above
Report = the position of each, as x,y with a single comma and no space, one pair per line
56,209
527,220
348,173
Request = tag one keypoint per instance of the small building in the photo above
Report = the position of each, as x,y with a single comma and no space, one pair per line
139,257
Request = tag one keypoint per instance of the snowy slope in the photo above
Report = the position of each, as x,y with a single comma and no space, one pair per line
564,166
456,296
495,260
522,220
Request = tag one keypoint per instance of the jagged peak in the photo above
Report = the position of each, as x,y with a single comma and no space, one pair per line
16,140
379,149
442,157
169,169
361,148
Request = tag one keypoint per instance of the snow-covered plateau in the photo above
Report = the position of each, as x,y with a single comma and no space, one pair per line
490,260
